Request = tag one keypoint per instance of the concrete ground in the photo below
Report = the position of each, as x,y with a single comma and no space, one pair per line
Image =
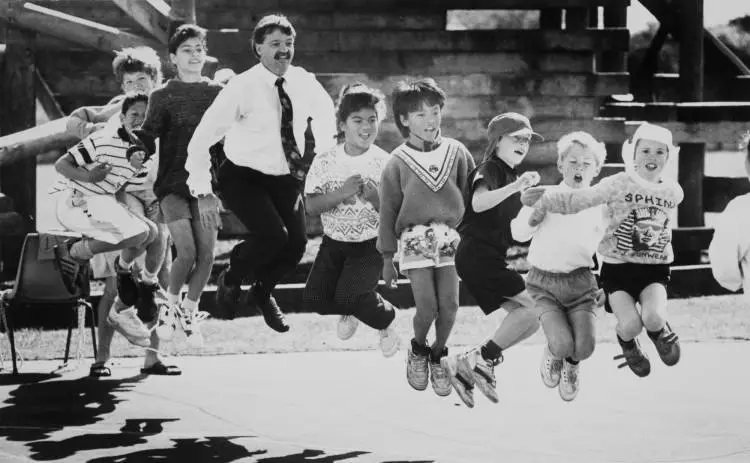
357,407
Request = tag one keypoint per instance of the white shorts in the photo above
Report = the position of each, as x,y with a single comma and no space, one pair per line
426,246
99,217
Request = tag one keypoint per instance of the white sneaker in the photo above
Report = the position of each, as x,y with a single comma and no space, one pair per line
440,379
569,381
166,323
417,369
191,320
127,323
462,382
347,326
550,368
482,371
389,341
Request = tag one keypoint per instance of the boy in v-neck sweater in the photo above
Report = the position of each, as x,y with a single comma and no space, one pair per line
421,203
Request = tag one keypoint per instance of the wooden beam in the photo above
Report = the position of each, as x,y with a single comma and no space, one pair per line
152,15
476,41
405,5
27,144
46,98
66,27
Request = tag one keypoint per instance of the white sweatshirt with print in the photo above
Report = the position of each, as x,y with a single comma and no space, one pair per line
730,259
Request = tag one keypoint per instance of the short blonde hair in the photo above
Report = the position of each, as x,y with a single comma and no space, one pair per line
584,139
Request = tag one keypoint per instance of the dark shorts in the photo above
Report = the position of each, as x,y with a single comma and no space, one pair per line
631,278
484,272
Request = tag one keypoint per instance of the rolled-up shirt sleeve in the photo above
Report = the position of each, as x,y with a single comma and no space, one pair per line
215,123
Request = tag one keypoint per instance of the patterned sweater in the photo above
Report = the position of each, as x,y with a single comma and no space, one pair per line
174,112
420,187
355,219
636,213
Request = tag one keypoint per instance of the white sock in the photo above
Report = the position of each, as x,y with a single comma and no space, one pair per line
148,277
173,298
123,264
118,305
189,305
81,250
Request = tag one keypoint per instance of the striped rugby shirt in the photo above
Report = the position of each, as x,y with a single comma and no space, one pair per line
105,146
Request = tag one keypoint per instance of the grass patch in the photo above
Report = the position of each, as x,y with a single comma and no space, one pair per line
695,320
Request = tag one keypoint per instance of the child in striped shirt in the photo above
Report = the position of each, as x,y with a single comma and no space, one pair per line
561,282
95,170
637,244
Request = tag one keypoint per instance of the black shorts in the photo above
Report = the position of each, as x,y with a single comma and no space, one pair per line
484,272
631,278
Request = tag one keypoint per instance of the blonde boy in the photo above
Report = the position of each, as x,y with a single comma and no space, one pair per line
560,281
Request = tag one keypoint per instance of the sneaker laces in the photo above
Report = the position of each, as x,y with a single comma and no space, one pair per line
570,375
553,364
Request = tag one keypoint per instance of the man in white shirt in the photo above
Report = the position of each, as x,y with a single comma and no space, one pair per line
273,117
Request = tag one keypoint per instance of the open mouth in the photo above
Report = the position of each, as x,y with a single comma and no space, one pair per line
520,152
651,166
578,178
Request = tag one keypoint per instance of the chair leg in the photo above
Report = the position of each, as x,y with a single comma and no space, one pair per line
93,329
12,339
70,334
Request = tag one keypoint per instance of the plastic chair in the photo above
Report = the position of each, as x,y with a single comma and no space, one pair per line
39,282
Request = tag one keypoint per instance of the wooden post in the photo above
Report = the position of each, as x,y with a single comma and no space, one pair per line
182,12
614,61
550,18
17,112
692,155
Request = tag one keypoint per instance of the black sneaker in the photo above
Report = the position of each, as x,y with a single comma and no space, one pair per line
228,296
127,285
634,358
668,346
271,312
70,268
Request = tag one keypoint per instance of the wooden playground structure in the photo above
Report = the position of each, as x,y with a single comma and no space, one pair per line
563,74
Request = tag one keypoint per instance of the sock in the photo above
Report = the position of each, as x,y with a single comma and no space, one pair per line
123,264
80,250
435,355
118,305
571,361
148,277
628,344
173,298
189,305
419,349
654,335
491,351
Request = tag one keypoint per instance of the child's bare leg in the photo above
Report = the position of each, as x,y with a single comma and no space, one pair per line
447,301
653,301
205,240
184,241
629,323
558,332
105,332
583,323
156,249
654,314
629,326
425,298
520,323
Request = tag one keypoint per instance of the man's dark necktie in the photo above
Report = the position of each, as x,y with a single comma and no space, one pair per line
298,165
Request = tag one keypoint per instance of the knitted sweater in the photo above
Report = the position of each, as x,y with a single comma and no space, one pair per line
637,215
174,112
420,187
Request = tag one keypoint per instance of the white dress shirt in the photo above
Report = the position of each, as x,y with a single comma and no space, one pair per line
730,247
561,243
247,112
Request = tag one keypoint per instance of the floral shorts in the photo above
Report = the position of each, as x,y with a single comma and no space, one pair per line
425,246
